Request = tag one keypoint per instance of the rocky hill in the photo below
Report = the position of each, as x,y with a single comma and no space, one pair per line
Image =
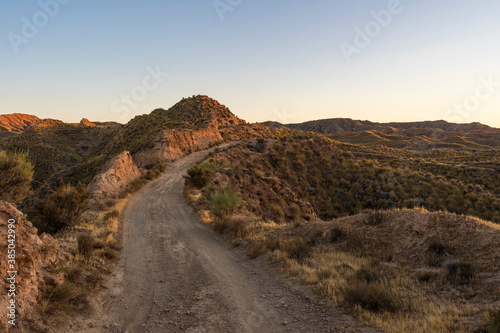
16,122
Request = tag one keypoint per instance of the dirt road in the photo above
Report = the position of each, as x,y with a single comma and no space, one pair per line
176,275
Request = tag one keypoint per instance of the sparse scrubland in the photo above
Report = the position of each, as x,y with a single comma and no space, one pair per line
397,223
397,240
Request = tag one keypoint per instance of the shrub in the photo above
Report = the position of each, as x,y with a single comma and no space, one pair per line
199,175
239,226
60,209
108,254
323,274
16,174
277,213
73,274
375,218
94,279
85,245
220,225
224,204
459,272
426,275
371,296
297,248
365,275
435,253
495,322
334,234
112,214
62,298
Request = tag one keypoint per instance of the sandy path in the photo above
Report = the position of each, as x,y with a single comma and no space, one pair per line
176,275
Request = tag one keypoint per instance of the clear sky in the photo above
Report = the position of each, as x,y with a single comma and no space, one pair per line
284,60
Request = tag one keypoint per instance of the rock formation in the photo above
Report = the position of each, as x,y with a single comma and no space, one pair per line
169,145
87,123
35,258
117,175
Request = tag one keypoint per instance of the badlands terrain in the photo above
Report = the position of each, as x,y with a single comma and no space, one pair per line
191,219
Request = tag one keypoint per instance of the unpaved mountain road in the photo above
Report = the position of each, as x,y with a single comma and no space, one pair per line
176,275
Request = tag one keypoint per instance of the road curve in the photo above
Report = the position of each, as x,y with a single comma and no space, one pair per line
176,275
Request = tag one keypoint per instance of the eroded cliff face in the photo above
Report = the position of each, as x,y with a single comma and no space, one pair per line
36,260
117,175
169,145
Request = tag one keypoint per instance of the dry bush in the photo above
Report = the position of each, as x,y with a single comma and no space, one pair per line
85,245
112,214
334,234
324,274
435,252
73,274
94,280
371,296
459,272
494,324
239,226
427,275
62,298
375,218
296,248
263,246
220,225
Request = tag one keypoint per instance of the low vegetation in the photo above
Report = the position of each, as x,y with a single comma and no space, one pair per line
367,259
59,210
16,174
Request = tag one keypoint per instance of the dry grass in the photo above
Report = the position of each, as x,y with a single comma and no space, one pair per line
377,265
93,247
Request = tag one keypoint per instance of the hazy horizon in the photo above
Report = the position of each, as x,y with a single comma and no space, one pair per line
286,61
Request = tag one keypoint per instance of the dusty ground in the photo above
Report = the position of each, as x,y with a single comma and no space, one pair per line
176,275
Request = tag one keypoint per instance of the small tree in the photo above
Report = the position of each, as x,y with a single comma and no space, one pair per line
60,209
16,174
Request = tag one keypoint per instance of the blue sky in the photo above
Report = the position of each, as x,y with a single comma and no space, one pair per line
266,60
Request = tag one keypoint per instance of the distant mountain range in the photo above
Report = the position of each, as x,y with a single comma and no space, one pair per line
417,135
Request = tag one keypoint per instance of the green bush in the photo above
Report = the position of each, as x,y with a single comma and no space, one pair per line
224,204
199,175
16,174
60,209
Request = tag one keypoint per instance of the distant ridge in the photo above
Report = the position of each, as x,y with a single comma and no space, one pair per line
16,122
421,135
340,125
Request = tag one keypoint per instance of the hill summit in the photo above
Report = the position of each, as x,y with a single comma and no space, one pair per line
16,122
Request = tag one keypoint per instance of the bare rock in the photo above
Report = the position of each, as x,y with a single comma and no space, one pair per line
117,175
169,145
87,123
34,260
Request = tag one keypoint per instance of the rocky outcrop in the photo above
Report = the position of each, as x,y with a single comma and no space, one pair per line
35,258
87,123
117,175
169,145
